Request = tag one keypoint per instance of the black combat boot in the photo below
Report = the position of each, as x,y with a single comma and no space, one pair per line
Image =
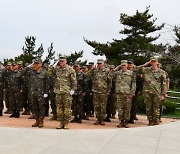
13,114
1,112
74,120
17,115
107,119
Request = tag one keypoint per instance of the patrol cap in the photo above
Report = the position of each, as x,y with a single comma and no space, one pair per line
26,64
91,63
45,65
0,62
153,59
130,61
38,60
20,62
9,63
76,63
14,63
111,66
100,61
84,66
124,62
62,58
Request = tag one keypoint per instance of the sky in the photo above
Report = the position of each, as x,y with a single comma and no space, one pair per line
66,22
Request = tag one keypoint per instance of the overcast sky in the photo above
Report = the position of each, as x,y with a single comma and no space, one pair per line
66,22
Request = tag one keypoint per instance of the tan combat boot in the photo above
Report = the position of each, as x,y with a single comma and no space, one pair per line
54,117
66,124
121,124
151,123
126,124
102,122
61,126
41,122
156,123
97,122
36,123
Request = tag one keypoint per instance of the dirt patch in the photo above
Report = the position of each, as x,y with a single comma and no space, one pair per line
24,122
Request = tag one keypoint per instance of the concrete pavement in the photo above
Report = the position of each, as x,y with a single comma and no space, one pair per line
162,139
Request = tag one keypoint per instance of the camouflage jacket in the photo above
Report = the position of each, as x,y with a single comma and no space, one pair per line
154,80
1,79
101,80
80,83
6,73
125,82
65,80
87,83
15,80
39,82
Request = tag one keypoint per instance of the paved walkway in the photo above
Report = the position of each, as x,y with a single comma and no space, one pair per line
163,139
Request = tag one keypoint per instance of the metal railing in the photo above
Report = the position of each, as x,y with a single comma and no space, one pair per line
175,98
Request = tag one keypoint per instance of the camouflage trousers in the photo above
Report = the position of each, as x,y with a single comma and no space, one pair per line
100,102
123,107
77,105
30,101
87,104
1,99
38,103
7,101
152,102
24,99
14,98
63,103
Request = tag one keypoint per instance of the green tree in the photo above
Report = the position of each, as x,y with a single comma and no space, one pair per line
137,42
50,55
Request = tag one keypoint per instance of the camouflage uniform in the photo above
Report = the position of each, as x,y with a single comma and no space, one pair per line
125,86
101,85
39,87
154,88
87,97
65,81
78,99
1,91
15,82
6,73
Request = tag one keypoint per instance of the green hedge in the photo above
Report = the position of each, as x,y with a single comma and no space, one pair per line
169,107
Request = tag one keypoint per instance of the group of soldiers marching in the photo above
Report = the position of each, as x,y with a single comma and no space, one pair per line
80,91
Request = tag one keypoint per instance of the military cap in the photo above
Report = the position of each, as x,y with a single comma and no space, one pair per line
62,57
14,63
20,62
45,65
9,63
124,62
153,59
84,66
0,62
130,61
37,60
111,66
91,63
100,61
76,63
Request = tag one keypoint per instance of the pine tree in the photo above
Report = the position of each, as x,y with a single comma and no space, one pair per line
50,55
137,42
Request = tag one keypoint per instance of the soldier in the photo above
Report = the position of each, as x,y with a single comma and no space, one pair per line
139,87
90,67
6,73
15,82
125,86
78,96
88,94
154,89
101,86
40,90
111,103
1,89
24,94
65,85
52,95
